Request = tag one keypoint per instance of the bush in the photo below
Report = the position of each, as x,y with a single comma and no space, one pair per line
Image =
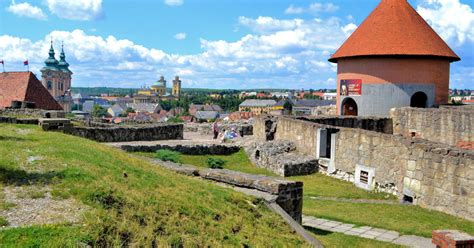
215,163
167,155
3,222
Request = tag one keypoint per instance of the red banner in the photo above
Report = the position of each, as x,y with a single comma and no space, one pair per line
351,87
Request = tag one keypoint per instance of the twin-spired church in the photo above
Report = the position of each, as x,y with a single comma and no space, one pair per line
56,78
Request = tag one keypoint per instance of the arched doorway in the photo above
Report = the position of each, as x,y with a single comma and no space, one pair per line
349,107
419,100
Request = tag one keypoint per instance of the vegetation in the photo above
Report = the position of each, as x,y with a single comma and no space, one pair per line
132,202
405,219
215,163
3,222
99,111
174,119
167,155
331,239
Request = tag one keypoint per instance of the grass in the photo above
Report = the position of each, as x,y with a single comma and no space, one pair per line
150,206
402,218
331,239
326,186
237,162
405,219
3,222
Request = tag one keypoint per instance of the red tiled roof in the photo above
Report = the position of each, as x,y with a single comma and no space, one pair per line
394,28
24,86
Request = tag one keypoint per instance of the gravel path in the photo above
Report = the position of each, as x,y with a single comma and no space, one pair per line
41,209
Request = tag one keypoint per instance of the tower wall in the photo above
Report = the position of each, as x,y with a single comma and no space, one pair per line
391,82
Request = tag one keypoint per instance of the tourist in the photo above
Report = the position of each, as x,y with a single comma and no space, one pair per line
215,129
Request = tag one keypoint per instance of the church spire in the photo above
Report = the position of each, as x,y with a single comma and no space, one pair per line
63,65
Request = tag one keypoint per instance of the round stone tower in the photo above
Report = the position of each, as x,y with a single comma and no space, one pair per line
393,59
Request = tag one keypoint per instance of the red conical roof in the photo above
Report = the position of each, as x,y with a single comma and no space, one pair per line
394,28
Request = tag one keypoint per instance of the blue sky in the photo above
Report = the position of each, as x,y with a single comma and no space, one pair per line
210,44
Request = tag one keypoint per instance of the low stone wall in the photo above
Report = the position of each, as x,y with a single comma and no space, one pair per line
280,158
206,128
14,120
432,175
264,127
189,149
377,124
289,194
32,113
124,134
449,125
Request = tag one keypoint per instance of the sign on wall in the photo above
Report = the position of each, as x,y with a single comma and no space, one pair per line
351,87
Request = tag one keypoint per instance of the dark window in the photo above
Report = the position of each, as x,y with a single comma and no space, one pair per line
257,155
50,85
407,199
364,177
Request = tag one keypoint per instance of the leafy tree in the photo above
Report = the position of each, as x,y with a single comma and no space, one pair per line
287,106
99,111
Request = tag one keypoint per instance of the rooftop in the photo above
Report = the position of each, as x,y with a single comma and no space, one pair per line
257,103
394,28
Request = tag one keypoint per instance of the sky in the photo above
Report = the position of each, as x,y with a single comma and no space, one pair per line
222,44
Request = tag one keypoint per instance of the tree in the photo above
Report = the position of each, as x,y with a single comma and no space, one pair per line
99,111
288,107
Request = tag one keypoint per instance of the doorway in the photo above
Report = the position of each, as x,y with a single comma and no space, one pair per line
349,107
419,100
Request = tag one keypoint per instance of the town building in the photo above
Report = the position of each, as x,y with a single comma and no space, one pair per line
257,106
56,78
24,90
176,91
393,59
193,108
308,107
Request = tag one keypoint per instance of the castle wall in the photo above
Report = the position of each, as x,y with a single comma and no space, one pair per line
452,126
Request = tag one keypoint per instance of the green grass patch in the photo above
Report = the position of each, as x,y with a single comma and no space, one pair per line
3,222
322,185
331,239
167,155
215,163
44,236
132,201
405,219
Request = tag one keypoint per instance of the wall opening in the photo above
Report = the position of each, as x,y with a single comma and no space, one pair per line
349,107
407,199
324,143
364,177
257,154
419,100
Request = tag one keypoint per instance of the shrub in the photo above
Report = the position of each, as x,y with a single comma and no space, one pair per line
215,163
3,222
167,155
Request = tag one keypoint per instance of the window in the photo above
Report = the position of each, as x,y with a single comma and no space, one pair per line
49,85
364,177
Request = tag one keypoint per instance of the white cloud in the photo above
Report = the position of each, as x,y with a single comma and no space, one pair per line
82,10
313,8
26,10
295,49
453,20
174,2
180,36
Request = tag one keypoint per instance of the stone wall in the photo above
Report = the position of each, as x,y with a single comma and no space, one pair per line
450,125
383,125
123,134
280,158
289,193
324,110
14,120
25,112
434,175
189,149
206,128
264,127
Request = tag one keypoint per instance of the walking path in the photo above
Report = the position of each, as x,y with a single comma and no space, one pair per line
367,232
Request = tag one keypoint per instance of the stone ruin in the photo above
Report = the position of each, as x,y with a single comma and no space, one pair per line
281,158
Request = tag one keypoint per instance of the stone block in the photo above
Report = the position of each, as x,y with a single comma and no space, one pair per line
452,239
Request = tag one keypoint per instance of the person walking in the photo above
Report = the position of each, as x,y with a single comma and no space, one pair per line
215,129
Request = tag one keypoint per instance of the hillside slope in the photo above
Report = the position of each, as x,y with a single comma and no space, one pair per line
128,201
